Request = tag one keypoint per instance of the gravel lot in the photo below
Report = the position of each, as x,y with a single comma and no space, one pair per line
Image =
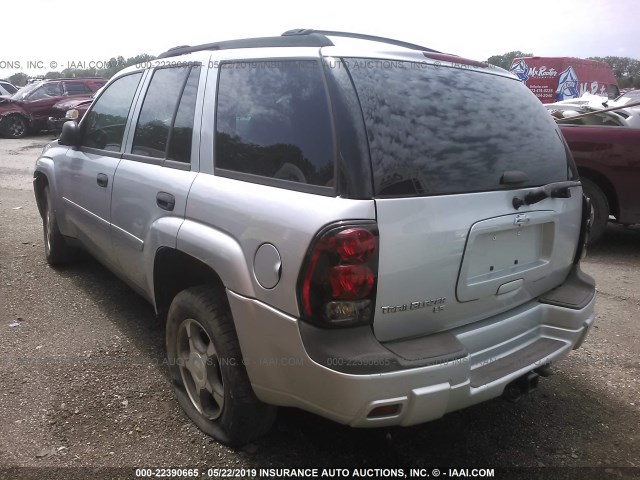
83,384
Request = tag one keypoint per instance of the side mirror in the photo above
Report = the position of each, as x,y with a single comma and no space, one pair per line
70,135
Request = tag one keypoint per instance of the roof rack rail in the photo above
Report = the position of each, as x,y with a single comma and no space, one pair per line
311,40
360,36
69,78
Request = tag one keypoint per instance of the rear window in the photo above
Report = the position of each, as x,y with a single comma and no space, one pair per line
446,130
76,88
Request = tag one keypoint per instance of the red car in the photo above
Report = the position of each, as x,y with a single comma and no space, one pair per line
608,160
71,109
29,109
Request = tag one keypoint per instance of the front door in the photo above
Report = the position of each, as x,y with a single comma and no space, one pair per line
86,174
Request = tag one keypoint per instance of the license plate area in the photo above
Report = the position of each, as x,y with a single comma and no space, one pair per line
504,249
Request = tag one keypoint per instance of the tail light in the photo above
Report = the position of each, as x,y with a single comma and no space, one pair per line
337,284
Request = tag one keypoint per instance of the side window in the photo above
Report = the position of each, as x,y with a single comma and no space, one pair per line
180,140
612,91
9,88
75,88
273,120
165,125
45,91
606,119
104,124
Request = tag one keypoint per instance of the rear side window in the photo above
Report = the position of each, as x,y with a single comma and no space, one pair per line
447,130
273,121
76,88
165,125
104,124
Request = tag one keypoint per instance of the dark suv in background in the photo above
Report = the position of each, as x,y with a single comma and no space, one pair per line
29,109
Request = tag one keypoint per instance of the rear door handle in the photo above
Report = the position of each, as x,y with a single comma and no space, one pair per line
102,180
166,201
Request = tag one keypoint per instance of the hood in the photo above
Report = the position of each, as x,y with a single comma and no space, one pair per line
71,103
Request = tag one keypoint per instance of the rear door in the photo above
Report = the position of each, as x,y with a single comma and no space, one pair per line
613,152
450,149
154,177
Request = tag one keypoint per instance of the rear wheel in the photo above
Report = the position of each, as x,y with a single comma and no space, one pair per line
56,249
600,206
207,370
14,126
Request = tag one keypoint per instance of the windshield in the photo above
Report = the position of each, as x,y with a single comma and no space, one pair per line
25,91
446,130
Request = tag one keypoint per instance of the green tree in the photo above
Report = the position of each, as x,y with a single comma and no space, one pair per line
626,70
19,79
504,60
53,75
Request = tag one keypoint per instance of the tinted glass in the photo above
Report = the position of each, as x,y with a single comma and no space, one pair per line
156,116
76,88
47,90
104,124
9,88
634,94
180,140
607,119
448,130
273,120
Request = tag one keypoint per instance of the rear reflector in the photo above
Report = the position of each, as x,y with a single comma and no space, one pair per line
385,411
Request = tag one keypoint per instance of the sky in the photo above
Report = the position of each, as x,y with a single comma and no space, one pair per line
53,34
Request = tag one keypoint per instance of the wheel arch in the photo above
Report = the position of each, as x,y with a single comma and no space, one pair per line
606,186
174,271
40,180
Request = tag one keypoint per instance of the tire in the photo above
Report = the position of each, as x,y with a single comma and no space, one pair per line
206,368
14,126
56,249
600,206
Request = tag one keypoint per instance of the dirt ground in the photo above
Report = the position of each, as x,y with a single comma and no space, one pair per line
82,380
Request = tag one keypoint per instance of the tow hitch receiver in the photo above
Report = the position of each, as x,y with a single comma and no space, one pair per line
525,384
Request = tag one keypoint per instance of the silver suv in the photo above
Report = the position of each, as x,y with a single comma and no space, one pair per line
361,228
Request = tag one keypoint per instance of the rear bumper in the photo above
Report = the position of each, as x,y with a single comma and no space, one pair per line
287,367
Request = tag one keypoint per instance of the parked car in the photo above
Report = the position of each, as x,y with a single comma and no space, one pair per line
7,89
71,109
333,227
605,112
29,109
628,96
607,154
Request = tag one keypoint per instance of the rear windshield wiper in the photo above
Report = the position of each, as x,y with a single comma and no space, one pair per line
553,190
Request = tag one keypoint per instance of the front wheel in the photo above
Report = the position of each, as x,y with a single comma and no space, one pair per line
206,368
14,126
600,206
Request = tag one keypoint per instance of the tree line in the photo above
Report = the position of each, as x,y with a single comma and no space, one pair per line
626,69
